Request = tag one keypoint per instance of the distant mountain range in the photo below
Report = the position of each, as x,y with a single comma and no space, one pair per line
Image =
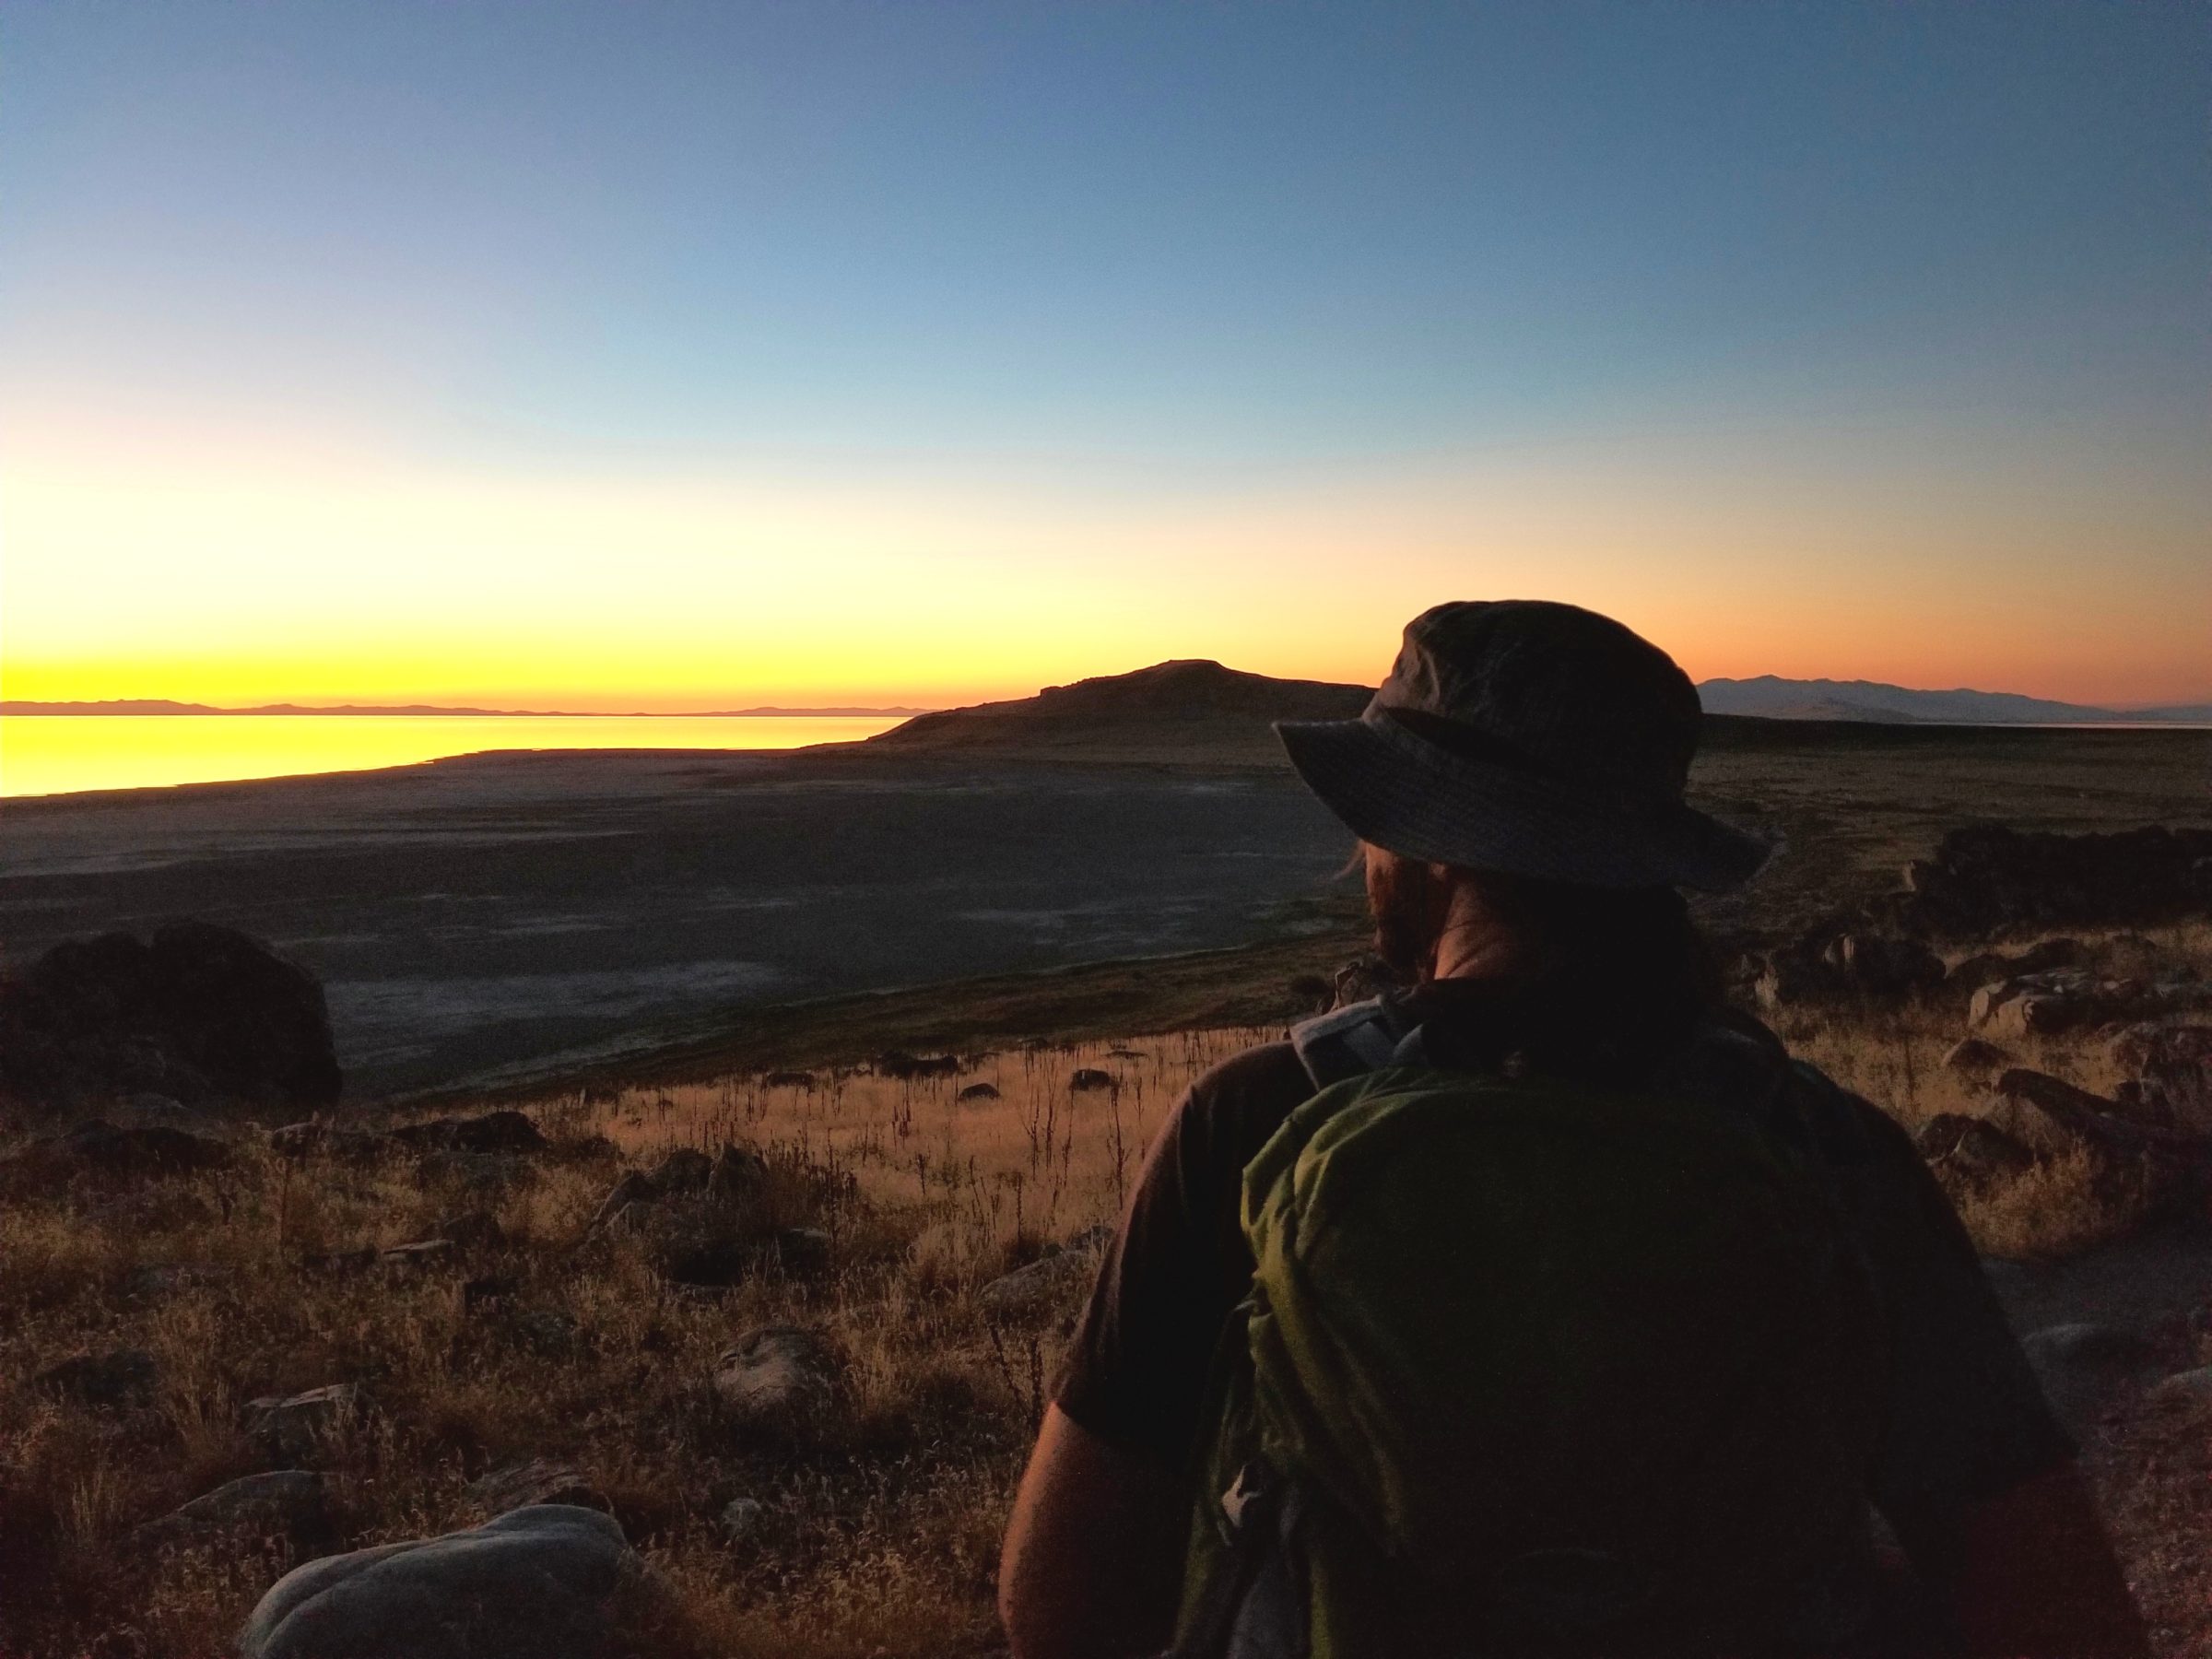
1773,697
157,705
1188,694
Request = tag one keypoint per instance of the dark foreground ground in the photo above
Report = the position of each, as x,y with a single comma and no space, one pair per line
501,917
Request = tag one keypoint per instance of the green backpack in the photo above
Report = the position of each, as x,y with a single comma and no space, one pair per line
1534,1368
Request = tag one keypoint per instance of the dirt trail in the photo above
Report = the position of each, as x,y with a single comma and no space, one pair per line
2151,1458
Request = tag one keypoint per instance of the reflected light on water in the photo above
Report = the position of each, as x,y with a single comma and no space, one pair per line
60,754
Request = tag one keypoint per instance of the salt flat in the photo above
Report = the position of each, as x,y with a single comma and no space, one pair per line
493,914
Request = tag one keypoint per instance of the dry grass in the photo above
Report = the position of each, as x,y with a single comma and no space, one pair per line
881,1520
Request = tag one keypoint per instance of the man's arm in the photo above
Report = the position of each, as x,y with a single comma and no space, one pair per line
1093,1559
2030,1574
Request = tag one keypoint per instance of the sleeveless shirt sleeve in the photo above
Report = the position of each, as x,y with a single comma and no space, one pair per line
1966,1418
1136,1370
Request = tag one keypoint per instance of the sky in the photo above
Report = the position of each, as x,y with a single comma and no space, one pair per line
694,356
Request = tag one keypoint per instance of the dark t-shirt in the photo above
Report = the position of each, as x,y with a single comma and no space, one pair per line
1964,1417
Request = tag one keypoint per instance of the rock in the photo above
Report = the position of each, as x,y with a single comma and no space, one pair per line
1827,963
2172,1067
1976,1060
788,1079
122,1377
1048,1286
2051,1117
635,1188
144,1150
684,1169
976,1091
1975,1150
291,1504
294,1427
472,1230
539,1582
540,1480
2084,1367
1087,1079
741,1518
202,1015
739,1174
160,1109
1985,877
777,1373
488,1132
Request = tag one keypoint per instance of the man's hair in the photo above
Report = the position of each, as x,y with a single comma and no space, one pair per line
1598,943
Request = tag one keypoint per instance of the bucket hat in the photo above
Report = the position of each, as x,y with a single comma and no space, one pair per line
1530,738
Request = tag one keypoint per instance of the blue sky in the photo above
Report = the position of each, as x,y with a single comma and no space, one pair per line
1154,256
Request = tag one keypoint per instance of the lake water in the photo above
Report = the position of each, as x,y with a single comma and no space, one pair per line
62,754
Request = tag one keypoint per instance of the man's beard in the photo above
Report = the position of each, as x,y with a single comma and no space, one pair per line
1409,904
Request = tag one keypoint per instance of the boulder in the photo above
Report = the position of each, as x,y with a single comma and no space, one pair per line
788,1079
119,1378
293,1428
2173,1073
2051,1117
777,1373
202,1014
1049,1286
1987,879
1086,1079
976,1091
540,1480
1971,1148
1828,963
291,1504
539,1582
1976,1060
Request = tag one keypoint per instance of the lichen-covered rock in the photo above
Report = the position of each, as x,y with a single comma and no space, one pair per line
539,1582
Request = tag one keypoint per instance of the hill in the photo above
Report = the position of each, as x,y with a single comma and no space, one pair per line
1185,710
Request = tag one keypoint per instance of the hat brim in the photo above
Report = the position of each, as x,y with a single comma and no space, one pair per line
1403,794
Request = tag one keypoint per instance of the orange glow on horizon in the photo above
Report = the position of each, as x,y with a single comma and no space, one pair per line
210,565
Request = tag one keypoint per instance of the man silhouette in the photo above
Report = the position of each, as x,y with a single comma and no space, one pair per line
1517,786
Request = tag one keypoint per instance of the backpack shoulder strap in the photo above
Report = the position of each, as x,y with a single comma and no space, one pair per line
1352,1041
